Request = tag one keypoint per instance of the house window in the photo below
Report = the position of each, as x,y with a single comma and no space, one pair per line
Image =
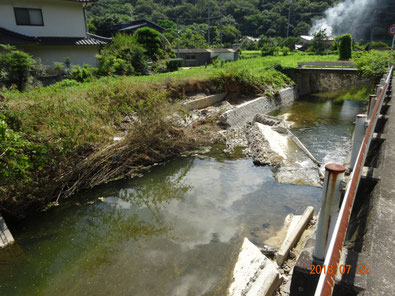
28,17
190,58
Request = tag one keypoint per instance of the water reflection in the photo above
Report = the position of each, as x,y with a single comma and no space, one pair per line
175,231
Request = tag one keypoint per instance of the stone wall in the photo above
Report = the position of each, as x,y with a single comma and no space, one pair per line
309,82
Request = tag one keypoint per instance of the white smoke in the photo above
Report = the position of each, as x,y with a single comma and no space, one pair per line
350,16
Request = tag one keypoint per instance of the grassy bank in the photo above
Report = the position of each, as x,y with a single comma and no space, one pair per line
59,139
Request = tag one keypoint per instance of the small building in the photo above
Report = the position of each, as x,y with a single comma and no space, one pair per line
226,54
199,57
132,26
193,57
50,30
307,39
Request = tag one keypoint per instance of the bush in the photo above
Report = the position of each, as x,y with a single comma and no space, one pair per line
151,41
372,64
82,74
125,56
345,47
376,44
18,156
267,50
174,64
15,66
319,43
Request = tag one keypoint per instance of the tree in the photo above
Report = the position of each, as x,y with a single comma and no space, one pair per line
125,56
151,41
190,39
319,42
345,47
15,66
301,28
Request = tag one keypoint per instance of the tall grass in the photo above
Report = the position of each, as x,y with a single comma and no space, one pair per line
72,125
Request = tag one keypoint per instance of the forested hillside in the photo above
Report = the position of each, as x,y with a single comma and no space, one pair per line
231,18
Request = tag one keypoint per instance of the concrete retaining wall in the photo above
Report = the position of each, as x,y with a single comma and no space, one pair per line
314,82
204,102
246,112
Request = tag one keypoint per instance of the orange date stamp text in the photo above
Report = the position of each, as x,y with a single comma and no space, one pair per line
343,269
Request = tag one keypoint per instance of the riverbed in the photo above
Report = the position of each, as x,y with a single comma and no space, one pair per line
177,229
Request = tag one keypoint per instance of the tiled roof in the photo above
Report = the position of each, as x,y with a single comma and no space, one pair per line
221,50
132,25
191,50
13,38
83,0
210,50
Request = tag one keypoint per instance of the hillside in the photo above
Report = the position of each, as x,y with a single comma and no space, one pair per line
236,18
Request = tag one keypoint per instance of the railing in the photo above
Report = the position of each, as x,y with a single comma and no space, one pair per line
327,280
324,65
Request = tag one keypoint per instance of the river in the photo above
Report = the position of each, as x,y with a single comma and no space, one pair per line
177,229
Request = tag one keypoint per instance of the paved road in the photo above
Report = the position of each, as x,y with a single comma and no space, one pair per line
379,241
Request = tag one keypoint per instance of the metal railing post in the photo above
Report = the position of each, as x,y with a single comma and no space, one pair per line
329,208
359,134
372,103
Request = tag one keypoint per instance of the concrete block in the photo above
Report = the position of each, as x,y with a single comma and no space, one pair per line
6,237
204,102
294,236
254,274
246,112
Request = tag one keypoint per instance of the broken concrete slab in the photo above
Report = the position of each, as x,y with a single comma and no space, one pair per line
204,102
6,237
268,146
295,232
254,274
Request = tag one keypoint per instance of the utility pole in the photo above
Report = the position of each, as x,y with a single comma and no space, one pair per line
289,16
220,31
374,14
178,38
208,22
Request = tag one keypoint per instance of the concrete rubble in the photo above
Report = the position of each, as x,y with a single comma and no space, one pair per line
258,274
268,140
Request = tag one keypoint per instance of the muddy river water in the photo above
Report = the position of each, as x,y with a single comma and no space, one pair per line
177,229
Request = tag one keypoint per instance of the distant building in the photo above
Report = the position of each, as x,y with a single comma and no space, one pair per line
307,39
199,57
132,26
50,30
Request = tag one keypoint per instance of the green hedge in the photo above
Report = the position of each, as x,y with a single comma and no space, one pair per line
174,64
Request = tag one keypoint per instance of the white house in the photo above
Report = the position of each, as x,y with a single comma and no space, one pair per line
50,30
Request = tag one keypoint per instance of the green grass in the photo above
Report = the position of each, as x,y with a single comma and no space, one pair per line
203,73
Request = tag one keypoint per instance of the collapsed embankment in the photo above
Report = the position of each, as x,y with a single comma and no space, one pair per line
69,137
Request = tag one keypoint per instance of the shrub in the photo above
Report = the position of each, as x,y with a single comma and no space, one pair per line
125,56
267,50
15,66
345,47
174,64
372,64
82,74
319,43
151,41
375,45
18,156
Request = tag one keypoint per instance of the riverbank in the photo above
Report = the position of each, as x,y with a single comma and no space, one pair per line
74,136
